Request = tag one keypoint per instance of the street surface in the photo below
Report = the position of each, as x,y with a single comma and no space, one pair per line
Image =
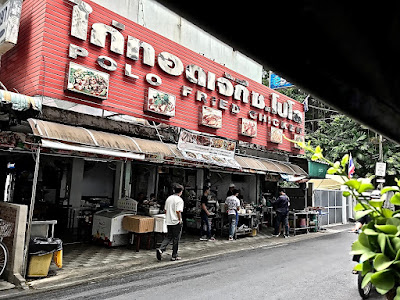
319,268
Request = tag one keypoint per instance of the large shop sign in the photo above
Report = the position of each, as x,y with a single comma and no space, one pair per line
262,111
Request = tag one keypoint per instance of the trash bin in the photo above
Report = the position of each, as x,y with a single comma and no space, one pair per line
41,251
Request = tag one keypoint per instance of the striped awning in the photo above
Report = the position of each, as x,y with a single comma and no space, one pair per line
263,165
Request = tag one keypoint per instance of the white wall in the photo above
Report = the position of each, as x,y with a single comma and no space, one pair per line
161,20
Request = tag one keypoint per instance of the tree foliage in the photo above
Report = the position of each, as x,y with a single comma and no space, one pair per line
343,135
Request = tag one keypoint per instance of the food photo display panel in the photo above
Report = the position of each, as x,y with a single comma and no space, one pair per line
248,127
211,117
88,81
276,135
160,103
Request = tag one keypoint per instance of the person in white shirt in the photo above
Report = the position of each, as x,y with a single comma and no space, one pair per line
232,204
173,218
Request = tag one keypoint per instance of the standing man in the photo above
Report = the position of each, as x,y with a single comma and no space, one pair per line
281,206
205,222
232,204
173,210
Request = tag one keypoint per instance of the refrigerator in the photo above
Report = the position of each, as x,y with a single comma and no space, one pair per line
107,227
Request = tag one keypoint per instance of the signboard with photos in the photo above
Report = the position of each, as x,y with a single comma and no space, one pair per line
211,117
276,135
88,81
207,149
160,103
248,127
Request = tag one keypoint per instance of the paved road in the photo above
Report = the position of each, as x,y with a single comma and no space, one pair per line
314,269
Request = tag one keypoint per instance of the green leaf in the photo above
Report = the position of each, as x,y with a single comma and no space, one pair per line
315,157
361,213
395,199
365,187
346,194
376,202
383,281
367,256
389,229
366,267
390,189
366,279
332,171
382,262
344,161
397,297
393,221
387,213
353,183
363,239
382,242
359,206
369,231
396,245
358,267
358,248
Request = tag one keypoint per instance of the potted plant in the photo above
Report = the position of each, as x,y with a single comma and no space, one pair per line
378,243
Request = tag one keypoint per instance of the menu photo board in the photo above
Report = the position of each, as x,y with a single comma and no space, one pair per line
276,135
248,127
88,81
211,117
160,103
207,149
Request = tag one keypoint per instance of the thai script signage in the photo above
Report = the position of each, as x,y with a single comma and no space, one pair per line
108,64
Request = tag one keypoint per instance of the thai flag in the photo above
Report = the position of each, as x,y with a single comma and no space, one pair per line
351,167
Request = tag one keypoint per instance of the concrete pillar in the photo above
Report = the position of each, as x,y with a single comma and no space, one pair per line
17,214
344,202
75,194
251,189
119,176
199,183
151,183
127,183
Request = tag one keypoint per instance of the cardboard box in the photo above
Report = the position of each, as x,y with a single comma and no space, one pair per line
138,224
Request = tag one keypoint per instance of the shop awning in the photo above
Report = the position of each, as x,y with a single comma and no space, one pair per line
82,140
331,182
257,165
20,102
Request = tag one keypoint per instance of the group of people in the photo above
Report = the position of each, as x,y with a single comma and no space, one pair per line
232,205
174,208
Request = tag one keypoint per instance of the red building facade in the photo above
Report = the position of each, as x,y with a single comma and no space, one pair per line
122,67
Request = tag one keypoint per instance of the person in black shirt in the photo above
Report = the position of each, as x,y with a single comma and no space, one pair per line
205,234
281,207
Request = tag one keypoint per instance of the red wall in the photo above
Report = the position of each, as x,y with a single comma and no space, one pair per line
38,66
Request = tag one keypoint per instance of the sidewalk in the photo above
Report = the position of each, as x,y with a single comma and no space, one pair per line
86,262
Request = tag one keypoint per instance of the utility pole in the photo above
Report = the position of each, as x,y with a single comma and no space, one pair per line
380,158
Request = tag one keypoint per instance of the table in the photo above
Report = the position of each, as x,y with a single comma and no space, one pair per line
247,219
307,215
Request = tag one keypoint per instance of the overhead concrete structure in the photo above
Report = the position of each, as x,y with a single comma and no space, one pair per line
344,53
